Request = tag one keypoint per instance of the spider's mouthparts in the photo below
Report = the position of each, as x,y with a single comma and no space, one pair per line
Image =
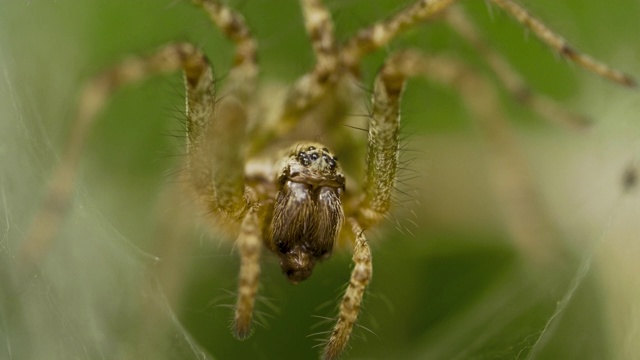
297,264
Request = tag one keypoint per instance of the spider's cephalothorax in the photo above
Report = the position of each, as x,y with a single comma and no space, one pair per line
308,214
295,206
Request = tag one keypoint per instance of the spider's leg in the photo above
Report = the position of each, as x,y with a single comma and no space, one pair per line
509,77
249,244
94,96
381,33
382,163
219,168
214,145
216,129
526,220
313,87
559,44
319,26
216,154
308,90
243,75
383,142
352,299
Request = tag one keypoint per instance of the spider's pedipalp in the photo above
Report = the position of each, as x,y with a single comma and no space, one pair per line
352,299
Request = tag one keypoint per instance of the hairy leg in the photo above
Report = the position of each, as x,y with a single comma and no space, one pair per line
243,75
381,165
379,34
200,97
526,220
215,131
383,141
310,88
352,299
561,46
509,77
220,155
249,244
319,26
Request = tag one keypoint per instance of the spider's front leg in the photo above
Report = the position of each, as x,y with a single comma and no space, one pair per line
382,165
526,219
249,244
215,149
352,299
215,132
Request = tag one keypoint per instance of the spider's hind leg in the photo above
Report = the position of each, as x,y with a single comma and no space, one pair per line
561,46
512,81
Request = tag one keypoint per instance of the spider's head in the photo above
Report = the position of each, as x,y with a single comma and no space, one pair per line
313,164
317,159
307,214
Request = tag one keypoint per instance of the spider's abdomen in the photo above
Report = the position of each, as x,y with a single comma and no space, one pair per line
308,214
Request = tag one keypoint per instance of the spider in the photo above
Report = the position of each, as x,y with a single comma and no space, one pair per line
262,180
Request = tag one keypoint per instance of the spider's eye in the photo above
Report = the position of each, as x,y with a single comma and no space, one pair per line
303,158
330,161
310,148
314,156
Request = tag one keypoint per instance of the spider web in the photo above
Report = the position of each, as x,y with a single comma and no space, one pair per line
98,294
95,294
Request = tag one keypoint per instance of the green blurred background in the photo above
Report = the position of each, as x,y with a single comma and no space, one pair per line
124,282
